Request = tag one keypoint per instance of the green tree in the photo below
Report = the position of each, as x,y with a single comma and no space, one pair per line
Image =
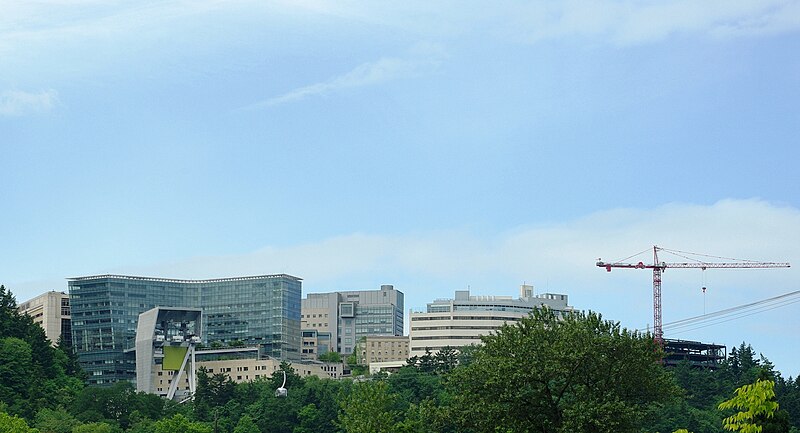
551,373
369,408
33,374
319,404
246,425
94,427
754,402
330,357
14,424
414,386
113,405
179,424
213,391
309,419
55,421
17,374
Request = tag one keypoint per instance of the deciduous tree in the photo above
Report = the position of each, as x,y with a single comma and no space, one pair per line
551,373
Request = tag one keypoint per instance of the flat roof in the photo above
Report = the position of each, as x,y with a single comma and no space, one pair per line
172,280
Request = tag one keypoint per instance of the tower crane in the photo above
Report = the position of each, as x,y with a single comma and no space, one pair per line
659,267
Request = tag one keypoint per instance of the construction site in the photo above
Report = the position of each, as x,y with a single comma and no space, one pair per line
695,353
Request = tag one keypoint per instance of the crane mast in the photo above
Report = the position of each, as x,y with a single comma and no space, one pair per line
659,267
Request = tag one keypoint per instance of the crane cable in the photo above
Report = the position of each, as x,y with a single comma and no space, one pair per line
732,313
679,252
737,317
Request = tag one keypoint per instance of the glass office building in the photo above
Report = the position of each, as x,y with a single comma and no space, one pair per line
258,310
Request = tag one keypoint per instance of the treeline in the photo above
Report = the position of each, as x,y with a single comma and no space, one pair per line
544,374
34,375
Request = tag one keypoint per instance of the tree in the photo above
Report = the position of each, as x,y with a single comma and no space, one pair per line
414,386
369,409
246,425
213,391
55,421
551,373
33,374
755,402
179,423
17,375
94,427
13,424
330,357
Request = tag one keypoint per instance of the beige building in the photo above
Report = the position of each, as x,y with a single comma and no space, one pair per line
461,321
51,311
383,349
240,370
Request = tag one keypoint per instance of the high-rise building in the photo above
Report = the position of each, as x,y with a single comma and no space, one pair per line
51,311
461,321
261,311
351,315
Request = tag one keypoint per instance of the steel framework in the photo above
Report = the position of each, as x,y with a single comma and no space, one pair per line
659,267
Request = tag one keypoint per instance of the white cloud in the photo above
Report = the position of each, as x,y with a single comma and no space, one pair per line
423,59
18,103
560,257
562,253
634,22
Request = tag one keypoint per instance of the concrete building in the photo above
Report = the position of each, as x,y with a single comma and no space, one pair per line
351,315
383,349
168,358
166,338
315,343
262,311
241,365
461,321
52,312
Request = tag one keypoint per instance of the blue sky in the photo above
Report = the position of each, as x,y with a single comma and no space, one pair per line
435,146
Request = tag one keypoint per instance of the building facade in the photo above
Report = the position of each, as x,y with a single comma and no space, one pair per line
241,365
315,343
165,336
262,311
349,316
374,349
461,321
51,311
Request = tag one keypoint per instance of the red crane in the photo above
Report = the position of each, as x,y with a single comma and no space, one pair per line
659,267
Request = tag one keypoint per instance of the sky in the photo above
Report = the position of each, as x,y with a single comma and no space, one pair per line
436,146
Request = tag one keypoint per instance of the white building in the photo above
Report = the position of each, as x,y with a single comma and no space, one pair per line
51,311
461,321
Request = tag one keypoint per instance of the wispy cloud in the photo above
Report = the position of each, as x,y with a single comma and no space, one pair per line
634,23
422,59
19,103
